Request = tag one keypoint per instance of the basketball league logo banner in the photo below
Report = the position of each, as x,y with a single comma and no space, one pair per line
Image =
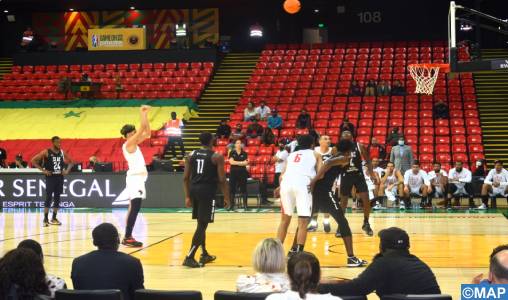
116,39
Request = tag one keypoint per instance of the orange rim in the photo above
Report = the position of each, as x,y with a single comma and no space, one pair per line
442,67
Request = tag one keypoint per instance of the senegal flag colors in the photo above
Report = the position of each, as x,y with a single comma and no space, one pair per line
83,119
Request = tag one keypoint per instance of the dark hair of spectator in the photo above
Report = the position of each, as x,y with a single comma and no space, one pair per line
304,273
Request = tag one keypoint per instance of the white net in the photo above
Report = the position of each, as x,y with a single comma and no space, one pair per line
425,77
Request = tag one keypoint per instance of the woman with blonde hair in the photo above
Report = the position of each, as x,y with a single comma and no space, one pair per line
269,262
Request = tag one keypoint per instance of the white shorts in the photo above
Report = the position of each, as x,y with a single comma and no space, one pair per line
391,194
298,196
371,186
135,186
498,191
416,190
438,191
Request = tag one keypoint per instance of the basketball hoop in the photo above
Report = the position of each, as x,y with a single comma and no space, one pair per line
426,75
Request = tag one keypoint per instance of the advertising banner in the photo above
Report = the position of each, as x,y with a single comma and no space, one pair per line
92,190
116,39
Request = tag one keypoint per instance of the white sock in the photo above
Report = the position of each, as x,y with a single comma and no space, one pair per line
326,221
313,222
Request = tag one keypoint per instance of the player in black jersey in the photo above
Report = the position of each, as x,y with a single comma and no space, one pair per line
352,175
204,170
52,163
322,186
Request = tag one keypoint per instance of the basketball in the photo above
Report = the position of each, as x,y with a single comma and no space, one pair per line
292,6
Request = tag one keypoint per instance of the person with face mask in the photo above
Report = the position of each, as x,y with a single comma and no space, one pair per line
459,183
402,156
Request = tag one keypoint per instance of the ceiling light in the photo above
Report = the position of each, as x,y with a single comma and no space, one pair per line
6,11
316,10
71,9
132,7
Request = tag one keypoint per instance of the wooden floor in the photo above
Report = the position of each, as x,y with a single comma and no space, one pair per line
455,245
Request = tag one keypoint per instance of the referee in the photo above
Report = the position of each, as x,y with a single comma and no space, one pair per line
51,162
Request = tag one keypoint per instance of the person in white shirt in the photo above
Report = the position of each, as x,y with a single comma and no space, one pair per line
392,183
269,262
263,111
304,274
459,183
439,182
495,184
249,113
374,192
280,160
416,182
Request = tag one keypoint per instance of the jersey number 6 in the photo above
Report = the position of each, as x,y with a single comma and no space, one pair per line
297,157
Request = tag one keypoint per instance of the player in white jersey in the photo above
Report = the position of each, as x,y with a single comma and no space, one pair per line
295,191
459,184
375,185
416,182
439,181
137,173
495,184
392,183
325,152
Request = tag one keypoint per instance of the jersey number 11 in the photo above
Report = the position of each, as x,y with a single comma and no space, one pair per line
200,166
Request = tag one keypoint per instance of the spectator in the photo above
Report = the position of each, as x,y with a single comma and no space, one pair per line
85,78
398,89
255,130
304,274
275,121
173,129
18,163
347,126
480,168
441,110
355,89
250,112
3,158
280,160
495,184
64,86
393,271
238,133
92,161
393,137
263,111
269,262
118,86
238,159
268,138
376,149
54,283
383,89
107,268
22,276
223,131
370,88
459,183
402,156
498,267
303,121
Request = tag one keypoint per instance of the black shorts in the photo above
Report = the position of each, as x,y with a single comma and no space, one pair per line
356,179
203,202
320,199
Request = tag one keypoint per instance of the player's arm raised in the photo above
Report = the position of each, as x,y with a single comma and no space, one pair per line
38,158
142,133
69,162
219,161
186,182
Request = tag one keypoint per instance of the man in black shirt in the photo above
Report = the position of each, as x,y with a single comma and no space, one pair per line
53,162
393,271
303,121
223,130
3,157
19,163
107,268
204,169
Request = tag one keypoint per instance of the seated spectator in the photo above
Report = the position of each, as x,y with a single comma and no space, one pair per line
376,149
92,161
304,274
269,262
383,89
441,110
370,88
249,113
275,121
393,137
303,121
18,163
498,267
495,184
393,271
238,133
355,89
347,126
398,89
64,86
223,131
459,183
22,276
255,130
268,138
480,169
54,283
3,158
107,268
118,86
86,78
263,111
